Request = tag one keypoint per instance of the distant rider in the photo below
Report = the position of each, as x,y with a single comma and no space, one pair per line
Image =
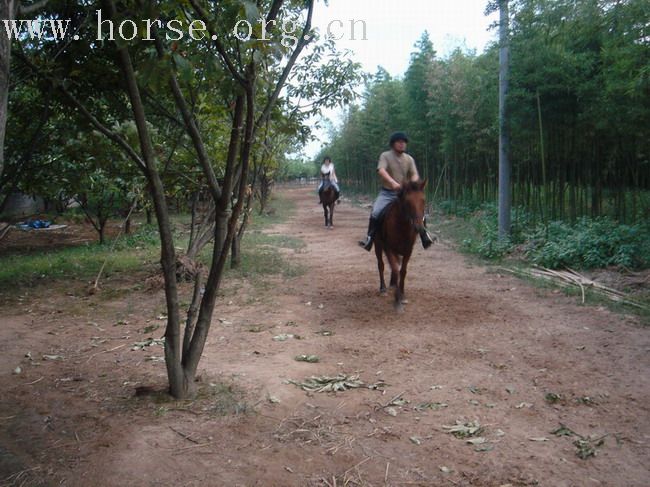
327,172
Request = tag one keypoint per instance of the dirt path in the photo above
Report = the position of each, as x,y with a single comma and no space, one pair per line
470,346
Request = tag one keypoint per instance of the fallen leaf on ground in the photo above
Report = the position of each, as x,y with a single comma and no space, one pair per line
340,382
284,337
563,431
435,406
464,430
312,359
149,342
325,333
53,357
477,441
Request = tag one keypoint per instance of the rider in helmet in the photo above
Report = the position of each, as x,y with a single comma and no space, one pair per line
395,168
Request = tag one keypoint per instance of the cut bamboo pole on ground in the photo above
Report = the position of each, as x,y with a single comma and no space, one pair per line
569,278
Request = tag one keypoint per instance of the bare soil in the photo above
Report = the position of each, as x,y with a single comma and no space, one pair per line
471,346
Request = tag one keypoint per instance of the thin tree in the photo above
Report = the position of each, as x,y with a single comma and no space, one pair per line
9,9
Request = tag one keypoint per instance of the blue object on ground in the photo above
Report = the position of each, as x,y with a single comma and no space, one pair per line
34,224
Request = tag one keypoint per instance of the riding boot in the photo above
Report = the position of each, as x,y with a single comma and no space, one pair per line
372,229
426,239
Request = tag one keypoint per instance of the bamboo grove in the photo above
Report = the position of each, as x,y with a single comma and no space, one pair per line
579,114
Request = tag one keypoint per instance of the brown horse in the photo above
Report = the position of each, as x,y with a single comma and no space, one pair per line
328,199
401,225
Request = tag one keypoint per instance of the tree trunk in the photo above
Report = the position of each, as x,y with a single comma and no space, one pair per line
180,384
8,9
191,359
202,229
505,198
235,251
541,150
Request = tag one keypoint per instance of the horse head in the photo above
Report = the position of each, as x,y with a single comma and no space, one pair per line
413,203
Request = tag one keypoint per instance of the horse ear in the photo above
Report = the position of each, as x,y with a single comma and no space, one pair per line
423,184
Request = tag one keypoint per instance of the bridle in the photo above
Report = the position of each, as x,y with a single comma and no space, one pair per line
412,219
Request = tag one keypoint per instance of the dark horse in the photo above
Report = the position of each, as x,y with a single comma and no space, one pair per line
328,199
401,224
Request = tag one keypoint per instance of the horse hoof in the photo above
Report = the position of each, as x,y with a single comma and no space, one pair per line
405,301
399,307
383,292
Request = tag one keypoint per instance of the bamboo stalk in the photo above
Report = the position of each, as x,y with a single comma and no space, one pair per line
570,278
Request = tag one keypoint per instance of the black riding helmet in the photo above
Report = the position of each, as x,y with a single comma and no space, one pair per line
395,136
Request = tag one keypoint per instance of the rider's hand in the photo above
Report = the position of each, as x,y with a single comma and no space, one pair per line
396,186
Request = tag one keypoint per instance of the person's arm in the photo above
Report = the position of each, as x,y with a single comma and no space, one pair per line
415,176
390,182
333,175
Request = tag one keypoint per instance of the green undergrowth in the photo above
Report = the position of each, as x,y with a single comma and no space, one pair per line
265,254
262,254
589,243
83,262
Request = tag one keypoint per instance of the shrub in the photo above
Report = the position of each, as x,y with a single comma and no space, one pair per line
590,243
587,244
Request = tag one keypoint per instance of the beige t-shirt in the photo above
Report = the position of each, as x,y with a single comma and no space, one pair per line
401,167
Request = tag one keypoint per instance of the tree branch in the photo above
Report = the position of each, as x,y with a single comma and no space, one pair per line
116,138
273,11
191,127
217,43
304,39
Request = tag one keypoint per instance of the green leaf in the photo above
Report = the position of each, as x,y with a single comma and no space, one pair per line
183,66
251,11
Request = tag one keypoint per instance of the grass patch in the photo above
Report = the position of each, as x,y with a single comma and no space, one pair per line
81,263
224,399
264,254
278,210
260,239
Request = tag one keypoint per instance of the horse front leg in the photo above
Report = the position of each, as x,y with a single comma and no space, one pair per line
380,266
394,262
325,213
332,214
402,277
